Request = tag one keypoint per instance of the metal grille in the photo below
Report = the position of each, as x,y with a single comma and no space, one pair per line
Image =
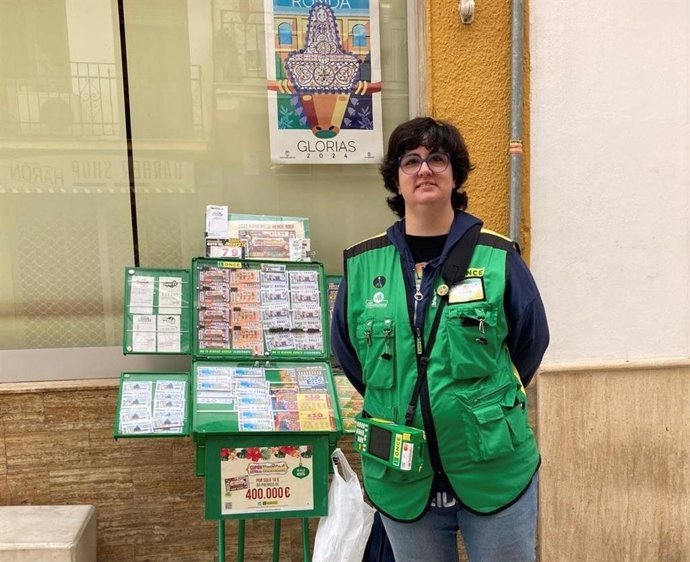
59,275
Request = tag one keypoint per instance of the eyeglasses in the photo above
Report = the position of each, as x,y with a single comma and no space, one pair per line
437,162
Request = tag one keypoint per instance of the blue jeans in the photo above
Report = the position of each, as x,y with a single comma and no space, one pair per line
507,536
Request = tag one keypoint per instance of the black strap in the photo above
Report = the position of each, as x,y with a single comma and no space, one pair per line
455,267
454,270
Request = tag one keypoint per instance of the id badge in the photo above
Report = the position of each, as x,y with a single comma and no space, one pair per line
468,290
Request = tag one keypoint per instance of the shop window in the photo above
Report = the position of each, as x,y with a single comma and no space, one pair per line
198,107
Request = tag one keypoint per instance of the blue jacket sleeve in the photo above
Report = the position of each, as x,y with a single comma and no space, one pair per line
341,346
528,335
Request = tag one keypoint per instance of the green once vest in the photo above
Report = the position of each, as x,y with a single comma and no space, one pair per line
478,404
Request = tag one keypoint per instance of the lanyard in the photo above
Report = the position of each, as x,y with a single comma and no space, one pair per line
453,271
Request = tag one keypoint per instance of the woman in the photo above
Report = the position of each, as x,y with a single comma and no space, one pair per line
447,353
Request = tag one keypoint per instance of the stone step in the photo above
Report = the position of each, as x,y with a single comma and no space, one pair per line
48,533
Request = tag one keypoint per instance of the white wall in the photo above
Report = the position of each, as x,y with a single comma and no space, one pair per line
610,177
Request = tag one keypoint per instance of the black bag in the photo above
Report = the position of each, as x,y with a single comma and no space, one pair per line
378,546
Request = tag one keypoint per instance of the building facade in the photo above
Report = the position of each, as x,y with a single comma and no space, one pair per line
121,120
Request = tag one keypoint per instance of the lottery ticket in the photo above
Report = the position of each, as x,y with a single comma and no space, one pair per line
276,318
170,295
209,397
275,267
245,294
168,323
305,279
216,336
242,334
214,275
207,286
279,341
276,278
274,296
135,413
301,297
211,296
214,314
250,385
208,381
254,414
255,400
137,387
169,386
287,421
255,346
141,288
264,424
170,403
168,421
307,318
144,333
248,372
311,380
284,399
242,276
144,426
246,314
309,341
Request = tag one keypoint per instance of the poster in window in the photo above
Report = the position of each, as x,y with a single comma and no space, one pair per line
324,81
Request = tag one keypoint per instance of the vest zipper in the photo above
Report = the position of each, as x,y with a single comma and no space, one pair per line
418,296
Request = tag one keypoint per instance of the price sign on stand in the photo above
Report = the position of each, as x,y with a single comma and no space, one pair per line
269,476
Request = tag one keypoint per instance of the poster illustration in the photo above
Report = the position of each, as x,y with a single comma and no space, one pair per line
261,479
324,81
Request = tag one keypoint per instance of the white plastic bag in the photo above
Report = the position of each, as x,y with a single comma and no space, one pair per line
342,535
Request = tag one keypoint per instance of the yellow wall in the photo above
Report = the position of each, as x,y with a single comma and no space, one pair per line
468,83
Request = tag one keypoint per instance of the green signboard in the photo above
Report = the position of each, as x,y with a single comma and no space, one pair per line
157,311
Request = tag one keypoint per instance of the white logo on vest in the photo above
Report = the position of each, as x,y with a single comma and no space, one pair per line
378,300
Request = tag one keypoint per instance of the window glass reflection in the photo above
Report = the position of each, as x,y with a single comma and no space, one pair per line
65,232
197,93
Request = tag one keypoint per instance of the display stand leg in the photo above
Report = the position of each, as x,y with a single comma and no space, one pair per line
276,540
305,540
221,540
240,541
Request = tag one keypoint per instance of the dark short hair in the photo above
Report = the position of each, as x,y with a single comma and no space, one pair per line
432,135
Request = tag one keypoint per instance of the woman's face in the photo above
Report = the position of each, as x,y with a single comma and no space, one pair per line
429,185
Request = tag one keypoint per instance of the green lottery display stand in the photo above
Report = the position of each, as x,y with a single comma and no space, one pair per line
260,399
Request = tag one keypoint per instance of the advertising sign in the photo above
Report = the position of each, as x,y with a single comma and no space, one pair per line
266,476
259,479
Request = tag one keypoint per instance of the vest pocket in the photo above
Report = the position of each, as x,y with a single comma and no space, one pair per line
472,340
493,435
515,408
497,423
376,340
377,470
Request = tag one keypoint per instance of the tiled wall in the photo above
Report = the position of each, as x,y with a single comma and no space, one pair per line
615,443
